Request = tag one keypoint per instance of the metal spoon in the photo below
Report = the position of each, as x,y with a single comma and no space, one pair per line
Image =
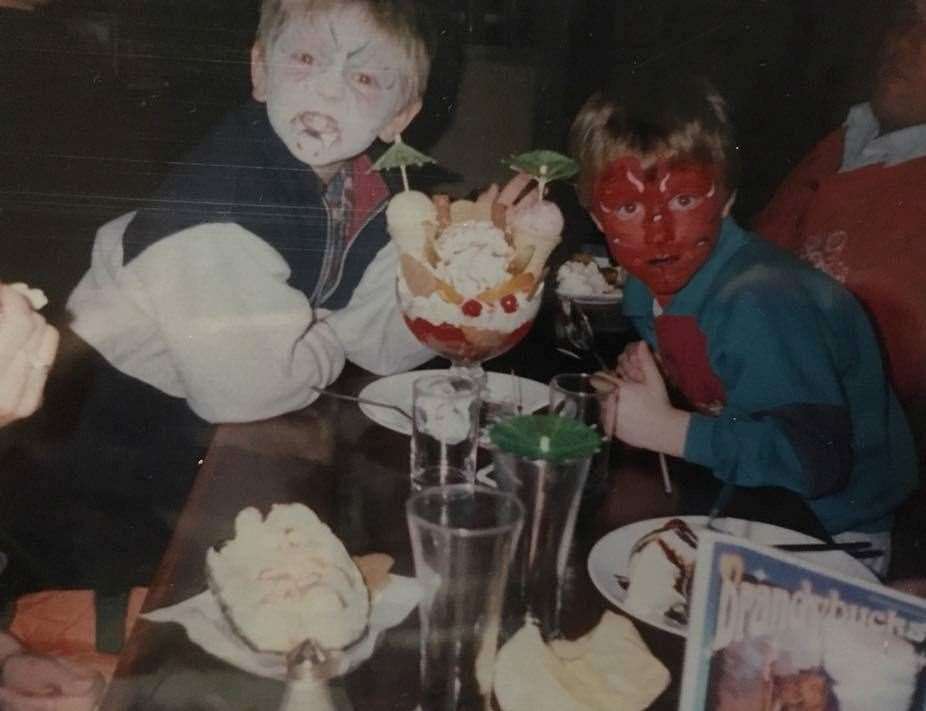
361,400
572,325
720,505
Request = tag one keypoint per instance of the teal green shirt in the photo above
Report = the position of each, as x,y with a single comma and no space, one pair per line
806,404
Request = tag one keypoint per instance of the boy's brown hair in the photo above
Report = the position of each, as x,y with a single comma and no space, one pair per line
652,119
406,21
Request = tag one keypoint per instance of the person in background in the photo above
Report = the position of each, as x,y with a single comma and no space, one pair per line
27,350
853,208
260,266
778,374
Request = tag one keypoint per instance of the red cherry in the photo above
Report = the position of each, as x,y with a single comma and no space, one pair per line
509,303
472,308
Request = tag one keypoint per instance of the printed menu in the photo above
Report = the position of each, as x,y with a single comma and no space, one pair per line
771,632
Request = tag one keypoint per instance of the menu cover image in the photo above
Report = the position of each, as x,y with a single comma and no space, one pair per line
770,632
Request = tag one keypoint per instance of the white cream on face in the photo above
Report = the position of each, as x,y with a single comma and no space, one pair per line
333,81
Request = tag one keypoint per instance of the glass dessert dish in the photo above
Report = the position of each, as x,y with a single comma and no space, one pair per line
471,332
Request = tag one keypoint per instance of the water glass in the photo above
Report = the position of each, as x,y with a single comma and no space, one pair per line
550,492
445,423
573,395
463,539
438,475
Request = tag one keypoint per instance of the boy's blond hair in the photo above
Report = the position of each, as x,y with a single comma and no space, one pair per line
405,21
657,119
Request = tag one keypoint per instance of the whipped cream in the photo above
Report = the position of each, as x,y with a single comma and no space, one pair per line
473,256
583,279
443,414
660,570
434,309
287,578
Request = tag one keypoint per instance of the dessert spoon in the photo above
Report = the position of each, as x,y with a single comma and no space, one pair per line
361,400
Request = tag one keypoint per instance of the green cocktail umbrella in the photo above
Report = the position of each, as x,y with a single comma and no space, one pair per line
400,155
548,437
544,166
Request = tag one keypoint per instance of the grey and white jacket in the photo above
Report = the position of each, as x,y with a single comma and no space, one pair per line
210,293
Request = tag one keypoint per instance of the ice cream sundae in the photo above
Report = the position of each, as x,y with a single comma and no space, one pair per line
470,277
286,579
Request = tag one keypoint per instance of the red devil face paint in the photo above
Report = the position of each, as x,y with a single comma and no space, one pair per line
662,222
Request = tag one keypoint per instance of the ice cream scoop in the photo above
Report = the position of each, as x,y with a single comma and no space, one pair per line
411,218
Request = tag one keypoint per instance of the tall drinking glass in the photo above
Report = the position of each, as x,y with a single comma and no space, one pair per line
445,424
573,395
463,539
550,492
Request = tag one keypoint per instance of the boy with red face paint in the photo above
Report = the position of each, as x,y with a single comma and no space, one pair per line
775,366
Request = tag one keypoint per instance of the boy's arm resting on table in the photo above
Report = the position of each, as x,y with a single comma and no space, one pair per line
785,422
371,328
206,315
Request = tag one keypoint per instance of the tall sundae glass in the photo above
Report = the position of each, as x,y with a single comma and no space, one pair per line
470,278
465,303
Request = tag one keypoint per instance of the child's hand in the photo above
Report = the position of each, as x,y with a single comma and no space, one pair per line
645,417
27,348
629,366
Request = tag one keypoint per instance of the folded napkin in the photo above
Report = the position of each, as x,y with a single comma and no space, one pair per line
609,668
207,627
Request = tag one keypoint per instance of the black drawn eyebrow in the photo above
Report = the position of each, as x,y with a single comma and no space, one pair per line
353,53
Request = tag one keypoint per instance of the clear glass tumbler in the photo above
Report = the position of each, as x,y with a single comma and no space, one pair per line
463,539
550,492
439,476
445,423
573,395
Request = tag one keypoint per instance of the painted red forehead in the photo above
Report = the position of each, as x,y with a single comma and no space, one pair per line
627,174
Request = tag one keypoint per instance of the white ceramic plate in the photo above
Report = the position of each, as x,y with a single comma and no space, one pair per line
610,557
397,390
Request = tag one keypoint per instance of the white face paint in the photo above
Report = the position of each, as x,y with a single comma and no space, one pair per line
332,82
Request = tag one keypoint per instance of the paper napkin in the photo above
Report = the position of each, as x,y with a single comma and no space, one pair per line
207,627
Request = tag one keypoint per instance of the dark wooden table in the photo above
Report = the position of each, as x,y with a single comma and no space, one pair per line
354,474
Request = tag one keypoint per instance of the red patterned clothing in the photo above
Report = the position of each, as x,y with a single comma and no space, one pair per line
867,228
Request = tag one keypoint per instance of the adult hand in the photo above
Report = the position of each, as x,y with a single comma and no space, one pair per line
27,5
645,416
27,349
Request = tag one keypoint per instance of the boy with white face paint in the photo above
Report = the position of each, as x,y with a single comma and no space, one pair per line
262,263
333,82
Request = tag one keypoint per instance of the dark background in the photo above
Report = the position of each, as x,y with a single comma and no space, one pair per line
100,96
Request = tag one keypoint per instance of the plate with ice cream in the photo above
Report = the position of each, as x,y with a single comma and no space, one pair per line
646,568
